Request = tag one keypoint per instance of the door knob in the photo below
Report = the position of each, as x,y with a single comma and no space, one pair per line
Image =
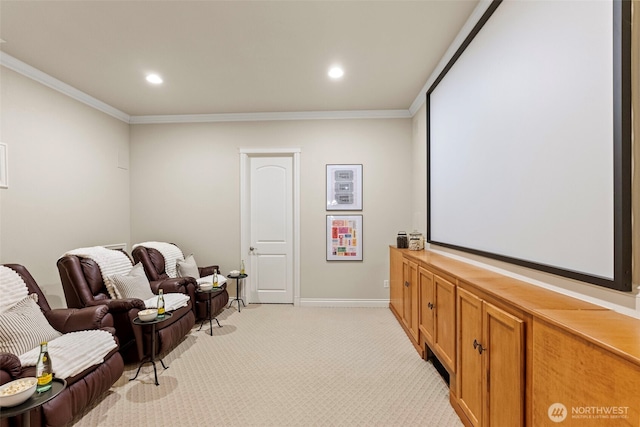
251,248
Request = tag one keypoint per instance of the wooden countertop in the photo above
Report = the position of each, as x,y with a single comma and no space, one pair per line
522,295
608,329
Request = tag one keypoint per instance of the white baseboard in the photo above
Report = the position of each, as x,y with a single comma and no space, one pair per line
330,302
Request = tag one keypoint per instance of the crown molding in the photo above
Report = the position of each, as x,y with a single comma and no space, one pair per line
26,70
453,47
259,117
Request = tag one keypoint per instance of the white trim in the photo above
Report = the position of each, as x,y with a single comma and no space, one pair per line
270,150
259,117
475,16
121,246
45,79
296,228
335,302
4,165
245,220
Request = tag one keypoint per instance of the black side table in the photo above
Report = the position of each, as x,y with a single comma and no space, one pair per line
209,293
38,399
237,298
151,358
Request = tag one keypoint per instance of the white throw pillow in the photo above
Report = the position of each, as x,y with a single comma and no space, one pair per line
23,327
188,267
132,285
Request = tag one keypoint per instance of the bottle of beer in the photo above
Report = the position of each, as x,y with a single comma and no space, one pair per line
215,277
160,305
242,268
44,373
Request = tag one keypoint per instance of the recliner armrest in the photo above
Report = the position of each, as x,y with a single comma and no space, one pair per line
79,319
208,271
120,305
173,285
10,367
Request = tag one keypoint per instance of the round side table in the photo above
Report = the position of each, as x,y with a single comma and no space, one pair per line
151,358
209,293
237,298
35,401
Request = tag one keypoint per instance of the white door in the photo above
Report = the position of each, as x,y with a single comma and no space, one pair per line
271,229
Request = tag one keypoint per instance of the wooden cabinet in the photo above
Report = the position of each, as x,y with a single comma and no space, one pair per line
490,363
427,306
438,316
594,375
396,284
410,297
404,294
514,349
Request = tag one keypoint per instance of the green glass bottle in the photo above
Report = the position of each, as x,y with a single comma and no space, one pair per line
44,372
160,305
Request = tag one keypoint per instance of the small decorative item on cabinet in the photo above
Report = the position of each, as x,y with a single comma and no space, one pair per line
416,241
402,241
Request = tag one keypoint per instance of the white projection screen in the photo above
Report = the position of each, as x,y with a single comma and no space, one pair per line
529,140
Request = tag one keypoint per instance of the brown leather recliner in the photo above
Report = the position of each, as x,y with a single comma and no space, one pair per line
81,389
154,267
84,287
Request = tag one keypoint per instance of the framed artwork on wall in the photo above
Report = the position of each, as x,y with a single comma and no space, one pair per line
344,237
344,187
4,166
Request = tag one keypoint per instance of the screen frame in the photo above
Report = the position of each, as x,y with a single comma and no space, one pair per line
622,141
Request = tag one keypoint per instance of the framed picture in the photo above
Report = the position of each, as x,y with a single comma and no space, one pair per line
344,187
344,237
4,166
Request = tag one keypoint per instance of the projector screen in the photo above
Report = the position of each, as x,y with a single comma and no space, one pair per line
529,140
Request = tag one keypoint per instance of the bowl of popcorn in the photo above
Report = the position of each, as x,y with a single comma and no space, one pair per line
148,315
18,391
205,286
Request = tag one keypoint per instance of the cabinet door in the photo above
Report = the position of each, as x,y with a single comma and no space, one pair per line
427,305
410,300
396,282
445,321
503,343
469,362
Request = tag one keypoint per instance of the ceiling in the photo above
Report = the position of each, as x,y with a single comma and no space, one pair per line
236,56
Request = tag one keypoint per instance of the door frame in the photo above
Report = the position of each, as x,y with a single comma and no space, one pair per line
245,217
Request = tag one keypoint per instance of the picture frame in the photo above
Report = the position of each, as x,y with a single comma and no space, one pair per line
344,187
4,166
344,238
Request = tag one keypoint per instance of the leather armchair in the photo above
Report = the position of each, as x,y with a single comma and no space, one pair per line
154,267
84,287
81,389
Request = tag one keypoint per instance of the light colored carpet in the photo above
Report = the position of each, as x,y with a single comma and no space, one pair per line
278,365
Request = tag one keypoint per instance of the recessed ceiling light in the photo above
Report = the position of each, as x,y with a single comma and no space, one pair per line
154,79
336,72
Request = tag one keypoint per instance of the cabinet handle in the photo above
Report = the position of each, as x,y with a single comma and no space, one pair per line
406,284
478,346
430,306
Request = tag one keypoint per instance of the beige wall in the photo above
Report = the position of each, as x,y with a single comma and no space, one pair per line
65,187
626,302
185,189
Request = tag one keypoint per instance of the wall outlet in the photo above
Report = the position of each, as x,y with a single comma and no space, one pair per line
385,284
